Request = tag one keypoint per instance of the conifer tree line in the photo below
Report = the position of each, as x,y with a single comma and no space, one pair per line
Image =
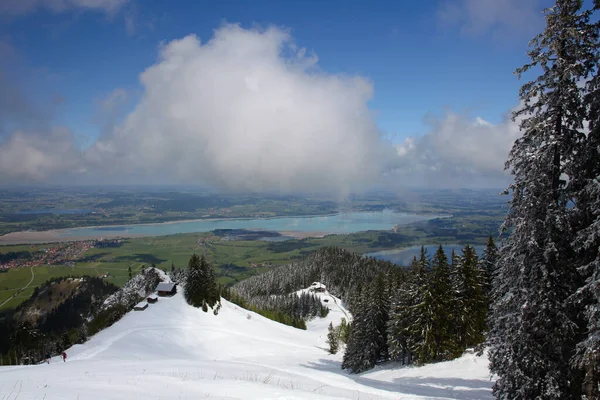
269,293
341,271
304,306
293,310
201,289
545,319
431,312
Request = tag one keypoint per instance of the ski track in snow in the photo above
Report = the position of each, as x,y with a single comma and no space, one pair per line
174,351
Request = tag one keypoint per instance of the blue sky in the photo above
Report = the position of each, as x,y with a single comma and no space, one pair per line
424,59
418,64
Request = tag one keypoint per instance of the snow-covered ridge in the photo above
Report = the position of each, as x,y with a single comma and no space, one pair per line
171,351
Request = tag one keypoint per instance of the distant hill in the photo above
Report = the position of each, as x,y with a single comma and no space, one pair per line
341,271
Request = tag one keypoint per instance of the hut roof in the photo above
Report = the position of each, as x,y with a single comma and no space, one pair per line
165,287
141,304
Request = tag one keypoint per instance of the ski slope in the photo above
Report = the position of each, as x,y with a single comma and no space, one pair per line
174,351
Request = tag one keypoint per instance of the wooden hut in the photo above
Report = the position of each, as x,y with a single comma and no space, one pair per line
141,306
166,289
153,298
317,287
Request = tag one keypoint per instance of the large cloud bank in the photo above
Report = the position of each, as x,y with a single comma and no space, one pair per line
247,110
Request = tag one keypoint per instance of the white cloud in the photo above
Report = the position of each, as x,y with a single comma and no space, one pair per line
458,152
501,17
18,7
247,110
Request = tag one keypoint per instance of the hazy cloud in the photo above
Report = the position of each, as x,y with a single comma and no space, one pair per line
33,156
458,152
501,18
19,7
113,100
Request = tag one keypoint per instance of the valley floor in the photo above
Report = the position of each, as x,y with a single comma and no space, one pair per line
173,351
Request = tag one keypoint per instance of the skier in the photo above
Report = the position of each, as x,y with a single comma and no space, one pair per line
48,358
64,357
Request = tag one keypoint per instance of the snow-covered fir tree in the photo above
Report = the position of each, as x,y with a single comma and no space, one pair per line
200,283
534,325
366,344
333,339
487,264
470,303
584,187
441,288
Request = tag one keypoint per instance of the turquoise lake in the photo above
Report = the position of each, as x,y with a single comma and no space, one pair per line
342,223
405,256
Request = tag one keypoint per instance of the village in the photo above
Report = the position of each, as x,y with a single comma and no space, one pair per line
59,254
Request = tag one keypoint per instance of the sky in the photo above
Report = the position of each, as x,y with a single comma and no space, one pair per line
264,95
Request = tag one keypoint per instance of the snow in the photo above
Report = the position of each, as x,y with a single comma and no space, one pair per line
174,351
141,304
337,311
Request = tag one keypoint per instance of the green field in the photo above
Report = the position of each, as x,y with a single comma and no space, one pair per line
235,260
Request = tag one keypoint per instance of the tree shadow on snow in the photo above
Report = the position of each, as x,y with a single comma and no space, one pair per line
453,388
326,365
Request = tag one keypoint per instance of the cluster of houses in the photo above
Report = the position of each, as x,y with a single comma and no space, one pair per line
64,253
163,289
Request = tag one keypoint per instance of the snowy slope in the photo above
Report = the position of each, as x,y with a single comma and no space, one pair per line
173,351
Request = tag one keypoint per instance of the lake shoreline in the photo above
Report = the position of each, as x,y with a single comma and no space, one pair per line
299,227
42,237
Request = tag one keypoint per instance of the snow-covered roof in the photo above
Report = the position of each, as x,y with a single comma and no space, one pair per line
141,304
165,287
153,296
317,285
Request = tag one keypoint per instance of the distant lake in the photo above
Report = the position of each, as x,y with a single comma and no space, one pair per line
56,211
405,256
342,223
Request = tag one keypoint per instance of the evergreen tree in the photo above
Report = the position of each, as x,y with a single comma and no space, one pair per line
193,288
211,294
453,260
130,273
381,310
344,331
443,298
333,339
368,340
585,219
423,261
487,264
471,305
403,332
534,329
